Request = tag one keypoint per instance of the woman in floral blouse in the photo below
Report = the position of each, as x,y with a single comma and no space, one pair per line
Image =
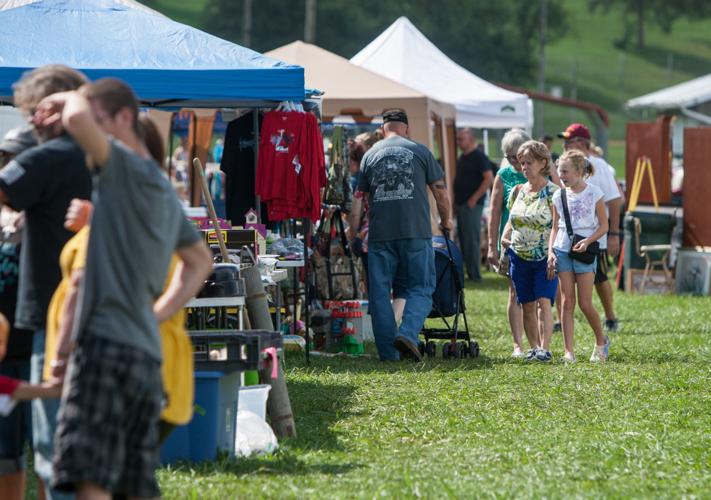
526,241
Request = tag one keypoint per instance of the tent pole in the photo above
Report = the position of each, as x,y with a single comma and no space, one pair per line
307,243
255,134
485,138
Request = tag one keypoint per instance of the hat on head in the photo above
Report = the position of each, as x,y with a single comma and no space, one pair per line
395,115
18,139
575,130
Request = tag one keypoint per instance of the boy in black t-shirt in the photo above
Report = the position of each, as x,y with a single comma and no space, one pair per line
16,349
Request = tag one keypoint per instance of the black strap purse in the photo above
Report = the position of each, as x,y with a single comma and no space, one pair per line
588,256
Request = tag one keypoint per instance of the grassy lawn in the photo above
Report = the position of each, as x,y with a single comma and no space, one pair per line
637,426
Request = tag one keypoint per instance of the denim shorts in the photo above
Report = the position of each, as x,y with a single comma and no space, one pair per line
16,428
530,279
564,264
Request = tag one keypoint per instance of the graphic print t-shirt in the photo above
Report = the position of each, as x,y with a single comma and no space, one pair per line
395,174
582,214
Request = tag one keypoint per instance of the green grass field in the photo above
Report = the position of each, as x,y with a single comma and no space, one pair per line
635,427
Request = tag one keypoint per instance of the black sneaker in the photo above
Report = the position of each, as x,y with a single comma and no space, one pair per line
611,325
407,348
557,327
531,354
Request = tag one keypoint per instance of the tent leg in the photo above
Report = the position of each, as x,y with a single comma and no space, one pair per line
255,134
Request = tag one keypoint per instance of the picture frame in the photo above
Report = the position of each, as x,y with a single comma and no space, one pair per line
693,272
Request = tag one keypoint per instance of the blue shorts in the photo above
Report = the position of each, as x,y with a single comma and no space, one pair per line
16,428
564,264
530,279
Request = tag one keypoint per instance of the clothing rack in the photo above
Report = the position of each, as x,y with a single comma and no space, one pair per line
307,240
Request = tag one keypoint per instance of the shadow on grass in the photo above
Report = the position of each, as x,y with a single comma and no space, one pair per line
371,364
283,462
317,407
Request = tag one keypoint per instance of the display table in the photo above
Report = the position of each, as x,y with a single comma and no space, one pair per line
295,264
221,303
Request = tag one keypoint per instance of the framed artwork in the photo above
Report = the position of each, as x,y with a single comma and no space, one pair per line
657,282
693,270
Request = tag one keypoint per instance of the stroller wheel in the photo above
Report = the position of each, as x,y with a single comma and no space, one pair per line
421,347
445,350
463,349
431,349
473,349
455,350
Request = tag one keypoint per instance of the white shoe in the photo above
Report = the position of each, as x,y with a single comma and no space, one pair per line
518,353
569,357
598,355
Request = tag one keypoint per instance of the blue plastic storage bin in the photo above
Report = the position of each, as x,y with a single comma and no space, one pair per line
212,426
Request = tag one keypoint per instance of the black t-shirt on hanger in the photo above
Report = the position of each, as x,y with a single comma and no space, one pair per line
238,165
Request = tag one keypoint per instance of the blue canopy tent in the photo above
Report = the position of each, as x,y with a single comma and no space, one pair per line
168,64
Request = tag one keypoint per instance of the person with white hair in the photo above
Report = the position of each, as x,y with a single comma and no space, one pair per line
506,179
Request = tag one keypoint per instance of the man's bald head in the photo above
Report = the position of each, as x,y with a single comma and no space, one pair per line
395,128
466,140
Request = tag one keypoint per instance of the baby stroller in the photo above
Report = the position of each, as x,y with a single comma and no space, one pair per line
448,305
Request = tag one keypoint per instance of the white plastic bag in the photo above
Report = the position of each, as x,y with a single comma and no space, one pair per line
254,435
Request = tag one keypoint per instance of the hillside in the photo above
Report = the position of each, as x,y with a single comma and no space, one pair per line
585,63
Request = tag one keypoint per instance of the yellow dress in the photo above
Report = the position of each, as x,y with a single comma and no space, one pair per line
177,350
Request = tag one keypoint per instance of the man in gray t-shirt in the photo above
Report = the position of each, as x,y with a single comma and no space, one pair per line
107,437
395,174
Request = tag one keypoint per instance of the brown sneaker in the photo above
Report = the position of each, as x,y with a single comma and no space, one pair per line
407,348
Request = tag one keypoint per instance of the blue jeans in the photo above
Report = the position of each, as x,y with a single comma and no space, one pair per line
469,232
408,263
44,422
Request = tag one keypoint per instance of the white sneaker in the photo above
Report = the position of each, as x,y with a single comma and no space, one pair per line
598,354
569,357
518,353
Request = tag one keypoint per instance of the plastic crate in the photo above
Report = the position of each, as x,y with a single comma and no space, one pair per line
239,350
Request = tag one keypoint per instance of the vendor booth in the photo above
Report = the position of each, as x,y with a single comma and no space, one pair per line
364,95
677,145
172,66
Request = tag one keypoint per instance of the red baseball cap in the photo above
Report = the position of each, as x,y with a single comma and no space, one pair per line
576,130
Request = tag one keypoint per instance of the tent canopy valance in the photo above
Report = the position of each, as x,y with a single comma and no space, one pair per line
167,63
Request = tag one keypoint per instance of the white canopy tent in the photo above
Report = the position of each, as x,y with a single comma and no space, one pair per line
683,95
691,98
402,53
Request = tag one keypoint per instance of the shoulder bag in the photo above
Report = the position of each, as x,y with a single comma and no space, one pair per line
588,256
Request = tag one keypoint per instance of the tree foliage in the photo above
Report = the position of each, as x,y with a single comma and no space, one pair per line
496,40
664,13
